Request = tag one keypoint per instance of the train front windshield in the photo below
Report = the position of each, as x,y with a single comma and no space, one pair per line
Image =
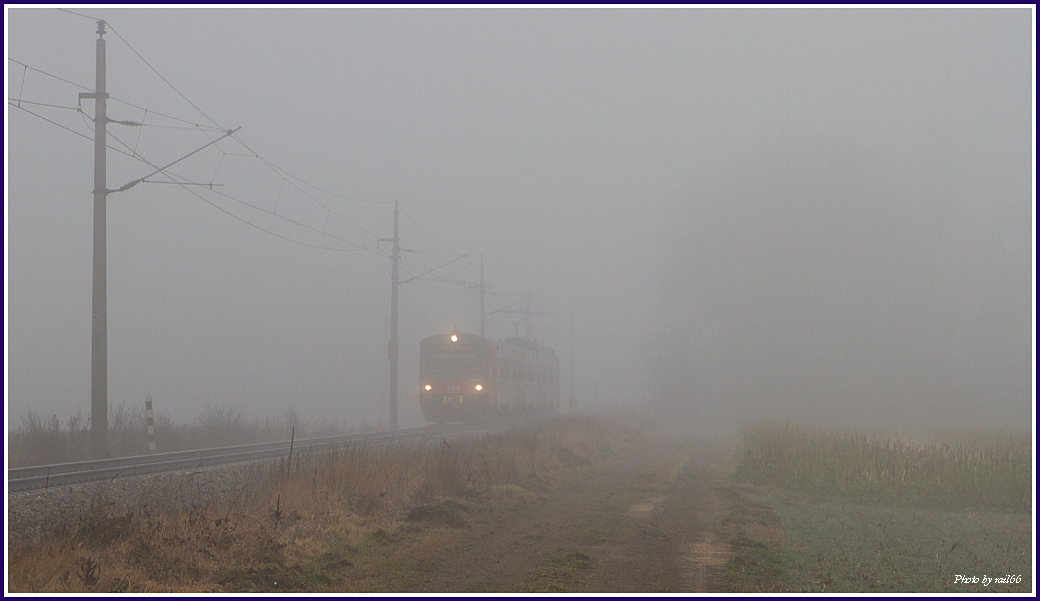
453,363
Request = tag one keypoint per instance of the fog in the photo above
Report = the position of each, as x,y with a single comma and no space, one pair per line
721,214
834,283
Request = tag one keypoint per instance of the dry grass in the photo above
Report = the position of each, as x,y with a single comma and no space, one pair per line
322,524
976,472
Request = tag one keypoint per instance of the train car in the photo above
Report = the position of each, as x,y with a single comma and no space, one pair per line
466,378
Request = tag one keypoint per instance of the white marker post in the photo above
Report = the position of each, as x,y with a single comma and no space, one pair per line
151,422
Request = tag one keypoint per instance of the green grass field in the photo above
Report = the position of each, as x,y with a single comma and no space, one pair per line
844,547
862,514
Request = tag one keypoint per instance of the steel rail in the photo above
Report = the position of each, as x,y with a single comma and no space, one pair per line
64,474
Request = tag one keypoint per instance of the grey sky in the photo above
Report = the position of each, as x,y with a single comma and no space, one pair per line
660,175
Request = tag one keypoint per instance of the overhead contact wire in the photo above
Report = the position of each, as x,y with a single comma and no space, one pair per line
174,178
71,83
132,49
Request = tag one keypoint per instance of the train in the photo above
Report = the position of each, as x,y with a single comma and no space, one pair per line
468,378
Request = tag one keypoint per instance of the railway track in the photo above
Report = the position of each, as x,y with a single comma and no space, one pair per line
28,479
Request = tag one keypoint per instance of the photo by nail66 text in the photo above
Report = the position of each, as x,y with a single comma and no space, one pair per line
986,580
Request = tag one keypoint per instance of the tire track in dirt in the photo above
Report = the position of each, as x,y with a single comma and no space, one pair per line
602,532
706,556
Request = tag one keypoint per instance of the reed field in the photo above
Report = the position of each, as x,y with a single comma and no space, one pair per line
978,472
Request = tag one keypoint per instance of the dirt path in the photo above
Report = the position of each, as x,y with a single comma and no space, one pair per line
643,526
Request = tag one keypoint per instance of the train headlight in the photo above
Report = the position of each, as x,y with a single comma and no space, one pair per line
454,337
479,387
428,387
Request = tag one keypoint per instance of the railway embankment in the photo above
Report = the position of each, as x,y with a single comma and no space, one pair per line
314,526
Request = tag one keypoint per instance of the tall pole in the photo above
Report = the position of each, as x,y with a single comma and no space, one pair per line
572,403
393,348
482,295
527,316
99,323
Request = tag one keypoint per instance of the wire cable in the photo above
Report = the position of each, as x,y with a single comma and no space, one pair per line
53,122
189,125
140,132
71,83
132,49
435,241
19,101
183,184
276,235
221,209
257,155
21,90
192,124
289,177
79,15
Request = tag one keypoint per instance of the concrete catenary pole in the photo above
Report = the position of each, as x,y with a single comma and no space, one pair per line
99,322
393,347
527,315
572,403
481,295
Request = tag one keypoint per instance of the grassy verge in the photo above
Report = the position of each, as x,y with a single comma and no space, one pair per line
330,522
754,533
842,513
